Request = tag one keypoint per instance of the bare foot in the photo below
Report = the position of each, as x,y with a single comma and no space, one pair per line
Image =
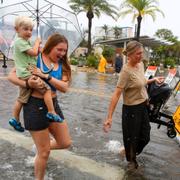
132,165
122,152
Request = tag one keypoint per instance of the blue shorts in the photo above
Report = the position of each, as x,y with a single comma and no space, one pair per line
34,113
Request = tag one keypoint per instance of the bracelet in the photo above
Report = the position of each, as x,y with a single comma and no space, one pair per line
49,77
27,84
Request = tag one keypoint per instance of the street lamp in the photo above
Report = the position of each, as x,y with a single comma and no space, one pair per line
4,62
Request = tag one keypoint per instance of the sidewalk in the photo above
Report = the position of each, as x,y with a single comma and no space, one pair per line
17,162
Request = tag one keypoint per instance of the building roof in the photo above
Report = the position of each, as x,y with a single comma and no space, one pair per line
145,40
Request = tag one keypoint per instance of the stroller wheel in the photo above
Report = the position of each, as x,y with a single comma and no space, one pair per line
171,132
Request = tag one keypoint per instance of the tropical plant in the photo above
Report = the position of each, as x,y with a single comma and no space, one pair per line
108,51
117,32
74,61
84,42
166,34
92,61
169,62
172,50
93,7
105,28
139,8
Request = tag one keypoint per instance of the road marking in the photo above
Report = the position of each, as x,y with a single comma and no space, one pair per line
70,159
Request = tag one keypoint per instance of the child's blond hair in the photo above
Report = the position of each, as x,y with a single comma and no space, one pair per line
23,21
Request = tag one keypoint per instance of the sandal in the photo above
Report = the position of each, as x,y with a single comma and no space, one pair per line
16,125
54,117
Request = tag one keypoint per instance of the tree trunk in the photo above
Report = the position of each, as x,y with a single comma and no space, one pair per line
90,16
139,19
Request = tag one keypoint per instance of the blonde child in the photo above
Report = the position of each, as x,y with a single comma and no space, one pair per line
25,56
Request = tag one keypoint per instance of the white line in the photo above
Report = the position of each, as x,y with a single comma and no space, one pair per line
83,164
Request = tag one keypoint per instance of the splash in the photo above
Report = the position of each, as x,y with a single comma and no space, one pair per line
113,146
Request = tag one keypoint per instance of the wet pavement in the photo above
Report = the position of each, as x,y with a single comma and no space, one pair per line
85,108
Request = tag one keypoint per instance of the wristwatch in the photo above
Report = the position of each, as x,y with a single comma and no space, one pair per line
49,77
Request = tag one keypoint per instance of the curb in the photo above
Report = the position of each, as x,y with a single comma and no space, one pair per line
70,159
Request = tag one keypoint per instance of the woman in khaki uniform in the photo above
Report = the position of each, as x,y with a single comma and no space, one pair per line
135,119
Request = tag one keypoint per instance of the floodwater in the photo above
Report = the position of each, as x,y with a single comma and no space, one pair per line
85,108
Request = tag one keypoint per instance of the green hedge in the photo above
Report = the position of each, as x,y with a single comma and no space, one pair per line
169,62
74,61
92,61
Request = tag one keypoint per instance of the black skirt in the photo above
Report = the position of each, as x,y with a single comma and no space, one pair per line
136,129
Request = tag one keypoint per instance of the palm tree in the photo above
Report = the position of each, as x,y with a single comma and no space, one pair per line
140,8
105,28
117,32
93,7
166,34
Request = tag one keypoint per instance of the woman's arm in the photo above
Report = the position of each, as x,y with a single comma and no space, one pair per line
61,85
33,81
15,80
156,79
114,100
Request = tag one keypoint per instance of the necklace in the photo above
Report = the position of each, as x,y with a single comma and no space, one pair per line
42,68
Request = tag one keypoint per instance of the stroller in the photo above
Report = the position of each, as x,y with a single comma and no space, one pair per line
158,96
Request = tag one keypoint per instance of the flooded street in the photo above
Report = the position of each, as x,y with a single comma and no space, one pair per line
85,108
86,111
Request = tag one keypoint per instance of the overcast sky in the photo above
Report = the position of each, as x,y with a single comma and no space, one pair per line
171,9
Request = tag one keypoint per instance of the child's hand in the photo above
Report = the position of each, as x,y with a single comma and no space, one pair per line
38,40
107,125
39,73
40,49
36,82
36,71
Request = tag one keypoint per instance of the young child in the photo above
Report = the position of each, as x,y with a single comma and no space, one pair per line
25,56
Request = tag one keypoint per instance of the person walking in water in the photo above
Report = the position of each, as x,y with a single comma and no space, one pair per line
47,134
102,64
118,63
135,120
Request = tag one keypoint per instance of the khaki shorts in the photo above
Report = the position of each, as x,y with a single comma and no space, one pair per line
25,93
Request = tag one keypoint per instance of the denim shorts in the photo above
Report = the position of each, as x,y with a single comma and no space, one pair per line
34,113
